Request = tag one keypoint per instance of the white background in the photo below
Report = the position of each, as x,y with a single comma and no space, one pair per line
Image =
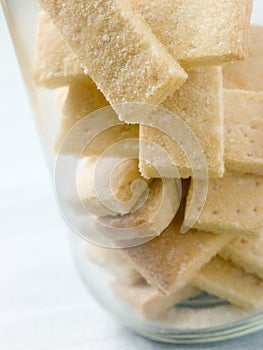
43,304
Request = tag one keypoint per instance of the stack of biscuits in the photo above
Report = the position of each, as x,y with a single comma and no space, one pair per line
201,61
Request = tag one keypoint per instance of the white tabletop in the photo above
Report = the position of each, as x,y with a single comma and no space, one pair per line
43,304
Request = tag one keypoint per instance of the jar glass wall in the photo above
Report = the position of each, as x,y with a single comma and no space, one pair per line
188,315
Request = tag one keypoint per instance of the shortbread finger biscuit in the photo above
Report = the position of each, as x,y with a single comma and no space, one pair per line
245,252
204,32
55,63
148,300
116,194
82,100
229,282
117,49
199,103
112,260
234,205
247,75
244,131
153,216
170,261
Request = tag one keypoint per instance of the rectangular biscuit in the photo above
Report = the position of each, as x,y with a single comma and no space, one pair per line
112,260
247,75
55,63
245,252
199,104
148,300
83,99
243,131
118,49
229,282
234,205
170,261
203,32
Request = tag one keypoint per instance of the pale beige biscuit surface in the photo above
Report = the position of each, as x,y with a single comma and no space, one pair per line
244,131
229,282
119,193
203,32
199,104
117,48
112,260
247,75
82,100
246,252
234,205
152,217
61,97
170,261
55,63
148,300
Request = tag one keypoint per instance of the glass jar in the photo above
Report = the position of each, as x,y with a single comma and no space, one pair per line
197,317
